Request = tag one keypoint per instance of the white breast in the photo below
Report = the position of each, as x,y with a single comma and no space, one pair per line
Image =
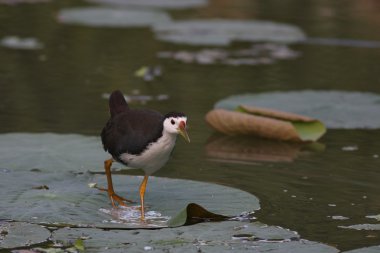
154,156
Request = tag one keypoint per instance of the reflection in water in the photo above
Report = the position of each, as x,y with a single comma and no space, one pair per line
247,149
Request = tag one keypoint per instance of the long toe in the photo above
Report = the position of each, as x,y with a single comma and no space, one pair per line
120,200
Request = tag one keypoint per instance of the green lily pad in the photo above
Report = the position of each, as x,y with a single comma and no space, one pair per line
221,32
111,17
51,152
337,109
162,4
21,234
204,237
70,201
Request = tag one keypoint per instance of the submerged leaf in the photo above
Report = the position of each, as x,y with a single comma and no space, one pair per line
193,214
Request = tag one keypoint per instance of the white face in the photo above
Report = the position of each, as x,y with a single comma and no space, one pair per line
173,124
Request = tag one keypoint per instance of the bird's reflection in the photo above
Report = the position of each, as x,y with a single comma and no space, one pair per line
248,149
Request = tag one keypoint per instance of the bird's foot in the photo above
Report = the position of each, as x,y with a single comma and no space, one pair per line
120,200
116,198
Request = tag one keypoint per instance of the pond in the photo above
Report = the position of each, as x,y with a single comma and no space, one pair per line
59,60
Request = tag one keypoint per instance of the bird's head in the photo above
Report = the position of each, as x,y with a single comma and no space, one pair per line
175,123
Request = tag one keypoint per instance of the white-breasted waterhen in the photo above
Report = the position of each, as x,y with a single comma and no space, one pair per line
139,138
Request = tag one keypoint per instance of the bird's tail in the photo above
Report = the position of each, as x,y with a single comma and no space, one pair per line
117,103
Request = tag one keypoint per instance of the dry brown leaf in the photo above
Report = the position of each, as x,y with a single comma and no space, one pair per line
235,123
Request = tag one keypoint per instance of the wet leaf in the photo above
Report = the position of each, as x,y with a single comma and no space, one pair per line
322,105
193,214
111,17
222,32
21,234
51,152
162,4
205,237
69,200
265,123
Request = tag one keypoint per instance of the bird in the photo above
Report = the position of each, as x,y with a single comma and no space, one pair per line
139,138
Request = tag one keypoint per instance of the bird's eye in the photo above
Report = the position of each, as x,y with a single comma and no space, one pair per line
172,121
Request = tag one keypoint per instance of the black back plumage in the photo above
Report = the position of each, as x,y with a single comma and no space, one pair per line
130,130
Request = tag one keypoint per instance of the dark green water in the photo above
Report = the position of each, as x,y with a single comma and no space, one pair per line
59,88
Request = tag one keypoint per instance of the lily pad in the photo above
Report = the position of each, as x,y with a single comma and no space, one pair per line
162,4
204,237
111,17
51,152
336,109
70,201
21,234
221,32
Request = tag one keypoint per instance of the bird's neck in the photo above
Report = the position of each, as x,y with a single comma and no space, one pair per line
168,137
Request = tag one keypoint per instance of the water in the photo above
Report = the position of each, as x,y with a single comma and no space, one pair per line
59,89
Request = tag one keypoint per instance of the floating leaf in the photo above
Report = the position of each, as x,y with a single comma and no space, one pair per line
222,32
162,4
69,200
333,108
51,152
111,17
265,123
21,234
206,237
193,214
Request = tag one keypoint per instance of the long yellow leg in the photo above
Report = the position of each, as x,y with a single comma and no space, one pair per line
142,194
111,193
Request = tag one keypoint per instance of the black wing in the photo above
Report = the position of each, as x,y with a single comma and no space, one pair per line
132,131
